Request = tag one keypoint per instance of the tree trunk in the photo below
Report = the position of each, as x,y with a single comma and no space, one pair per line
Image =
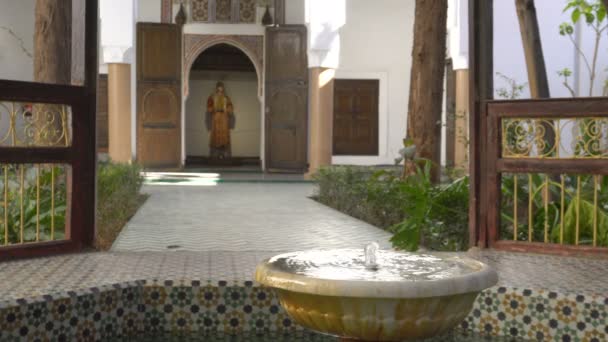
426,85
53,41
52,64
533,49
535,62
537,72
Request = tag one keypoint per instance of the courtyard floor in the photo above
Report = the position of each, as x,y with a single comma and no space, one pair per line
220,230
269,215
205,234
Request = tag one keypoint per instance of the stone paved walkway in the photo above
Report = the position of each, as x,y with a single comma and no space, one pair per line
241,217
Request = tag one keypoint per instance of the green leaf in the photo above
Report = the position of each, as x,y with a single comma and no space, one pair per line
576,15
565,29
601,14
586,213
407,236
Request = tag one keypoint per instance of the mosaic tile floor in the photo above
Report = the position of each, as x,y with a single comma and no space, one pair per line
538,297
73,272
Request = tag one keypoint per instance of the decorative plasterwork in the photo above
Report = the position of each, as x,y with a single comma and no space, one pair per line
195,44
199,10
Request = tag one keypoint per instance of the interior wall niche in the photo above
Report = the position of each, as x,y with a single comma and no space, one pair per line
228,64
251,46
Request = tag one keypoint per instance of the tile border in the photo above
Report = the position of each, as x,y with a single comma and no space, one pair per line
127,309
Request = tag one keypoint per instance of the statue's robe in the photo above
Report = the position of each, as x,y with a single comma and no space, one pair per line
220,119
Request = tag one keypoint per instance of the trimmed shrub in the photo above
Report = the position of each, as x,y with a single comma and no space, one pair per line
415,210
118,198
355,191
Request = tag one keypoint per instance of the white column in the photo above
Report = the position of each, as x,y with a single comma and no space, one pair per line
458,33
118,34
458,50
324,20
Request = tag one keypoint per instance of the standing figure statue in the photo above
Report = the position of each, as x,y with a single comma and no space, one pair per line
219,120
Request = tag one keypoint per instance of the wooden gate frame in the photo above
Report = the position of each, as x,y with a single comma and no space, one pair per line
481,88
484,163
494,112
81,155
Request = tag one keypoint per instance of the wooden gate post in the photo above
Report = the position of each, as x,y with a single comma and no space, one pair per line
482,88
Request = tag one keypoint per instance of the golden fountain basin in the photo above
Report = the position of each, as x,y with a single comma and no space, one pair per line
397,302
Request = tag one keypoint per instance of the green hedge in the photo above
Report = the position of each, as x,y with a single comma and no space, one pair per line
118,198
415,210
354,191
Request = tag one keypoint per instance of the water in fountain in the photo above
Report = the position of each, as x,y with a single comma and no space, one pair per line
370,264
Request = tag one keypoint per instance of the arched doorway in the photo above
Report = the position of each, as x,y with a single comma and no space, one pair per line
228,64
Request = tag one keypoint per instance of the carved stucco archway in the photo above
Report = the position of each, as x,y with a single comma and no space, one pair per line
251,46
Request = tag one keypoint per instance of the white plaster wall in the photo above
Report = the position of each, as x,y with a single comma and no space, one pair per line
242,89
231,29
558,51
294,11
376,43
18,16
149,11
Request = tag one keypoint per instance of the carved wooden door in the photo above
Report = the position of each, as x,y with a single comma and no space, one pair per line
158,95
356,117
286,99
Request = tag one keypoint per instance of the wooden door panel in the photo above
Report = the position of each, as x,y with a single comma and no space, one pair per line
159,103
283,152
159,95
287,143
158,147
286,99
356,117
287,50
158,52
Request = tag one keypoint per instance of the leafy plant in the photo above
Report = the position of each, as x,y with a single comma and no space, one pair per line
436,216
551,218
512,90
414,209
585,207
117,199
586,219
565,74
593,13
42,218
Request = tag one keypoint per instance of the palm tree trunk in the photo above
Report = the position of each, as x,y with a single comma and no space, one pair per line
52,64
53,41
426,85
533,49
535,62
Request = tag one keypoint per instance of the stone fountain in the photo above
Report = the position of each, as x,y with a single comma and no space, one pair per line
376,295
